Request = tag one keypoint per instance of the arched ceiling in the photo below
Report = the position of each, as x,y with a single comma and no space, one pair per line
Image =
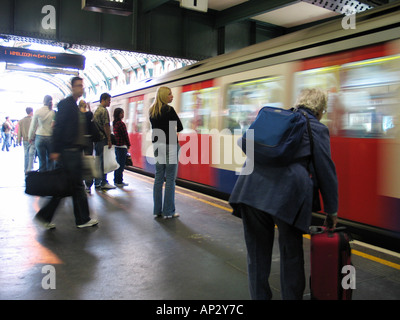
105,71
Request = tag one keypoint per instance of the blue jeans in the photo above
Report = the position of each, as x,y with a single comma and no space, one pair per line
43,145
6,142
120,155
166,166
71,160
259,229
99,147
29,152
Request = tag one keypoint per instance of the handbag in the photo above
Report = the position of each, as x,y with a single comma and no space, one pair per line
128,161
110,161
56,183
90,167
94,132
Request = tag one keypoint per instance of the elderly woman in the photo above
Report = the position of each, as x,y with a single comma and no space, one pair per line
283,196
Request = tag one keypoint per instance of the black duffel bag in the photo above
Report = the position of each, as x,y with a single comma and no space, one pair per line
56,183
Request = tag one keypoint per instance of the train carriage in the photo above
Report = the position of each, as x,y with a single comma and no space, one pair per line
218,98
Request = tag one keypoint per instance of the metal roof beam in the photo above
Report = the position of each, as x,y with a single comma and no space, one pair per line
249,9
148,5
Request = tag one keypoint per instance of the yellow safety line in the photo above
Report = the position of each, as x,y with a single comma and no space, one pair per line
205,201
376,259
193,197
307,236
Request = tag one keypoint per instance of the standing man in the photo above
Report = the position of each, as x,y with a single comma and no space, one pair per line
41,132
102,121
6,130
67,148
23,134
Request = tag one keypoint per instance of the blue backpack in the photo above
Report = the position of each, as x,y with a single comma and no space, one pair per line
276,133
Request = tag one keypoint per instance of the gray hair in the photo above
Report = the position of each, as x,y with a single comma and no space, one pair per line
314,99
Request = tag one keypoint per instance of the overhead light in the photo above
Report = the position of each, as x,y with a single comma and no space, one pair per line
118,7
198,5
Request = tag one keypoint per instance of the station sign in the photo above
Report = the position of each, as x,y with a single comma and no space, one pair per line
48,59
118,7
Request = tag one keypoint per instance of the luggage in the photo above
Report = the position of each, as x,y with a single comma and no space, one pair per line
128,161
276,134
110,161
55,183
91,168
330,252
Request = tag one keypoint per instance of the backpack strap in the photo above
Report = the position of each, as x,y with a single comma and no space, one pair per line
316,205
311,144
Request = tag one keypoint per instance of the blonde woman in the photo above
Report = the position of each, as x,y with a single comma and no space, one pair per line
165,124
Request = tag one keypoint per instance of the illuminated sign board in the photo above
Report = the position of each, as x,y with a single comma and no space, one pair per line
119,7
48,59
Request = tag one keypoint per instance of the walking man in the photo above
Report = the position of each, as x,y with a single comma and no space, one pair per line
67,149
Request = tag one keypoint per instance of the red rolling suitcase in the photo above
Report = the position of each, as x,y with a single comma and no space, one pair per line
330,252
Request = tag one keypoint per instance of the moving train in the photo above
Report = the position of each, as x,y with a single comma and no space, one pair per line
218,98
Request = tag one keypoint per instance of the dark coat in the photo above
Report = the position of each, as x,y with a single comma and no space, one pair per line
287,192
66,128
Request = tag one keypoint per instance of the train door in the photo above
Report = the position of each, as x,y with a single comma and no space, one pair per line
135,122
198,113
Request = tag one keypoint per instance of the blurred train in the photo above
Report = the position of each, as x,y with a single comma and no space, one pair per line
218,98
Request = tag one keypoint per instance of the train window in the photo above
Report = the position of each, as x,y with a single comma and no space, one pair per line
363,96
370,97
199,109
245,99
326,79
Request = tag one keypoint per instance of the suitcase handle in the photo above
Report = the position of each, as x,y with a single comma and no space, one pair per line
321,229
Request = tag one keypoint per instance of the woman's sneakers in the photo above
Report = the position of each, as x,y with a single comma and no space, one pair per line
175,215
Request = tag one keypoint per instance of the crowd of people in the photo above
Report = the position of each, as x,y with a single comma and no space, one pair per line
63,137
60,139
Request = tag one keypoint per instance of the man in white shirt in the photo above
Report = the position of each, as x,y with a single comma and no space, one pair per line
41,130
23,134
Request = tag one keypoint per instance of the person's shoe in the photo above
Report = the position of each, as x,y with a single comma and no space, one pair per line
90,223
45,224
175,215
123,184
157,216
108,186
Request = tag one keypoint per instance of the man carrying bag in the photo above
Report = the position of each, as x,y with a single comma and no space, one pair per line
67,149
